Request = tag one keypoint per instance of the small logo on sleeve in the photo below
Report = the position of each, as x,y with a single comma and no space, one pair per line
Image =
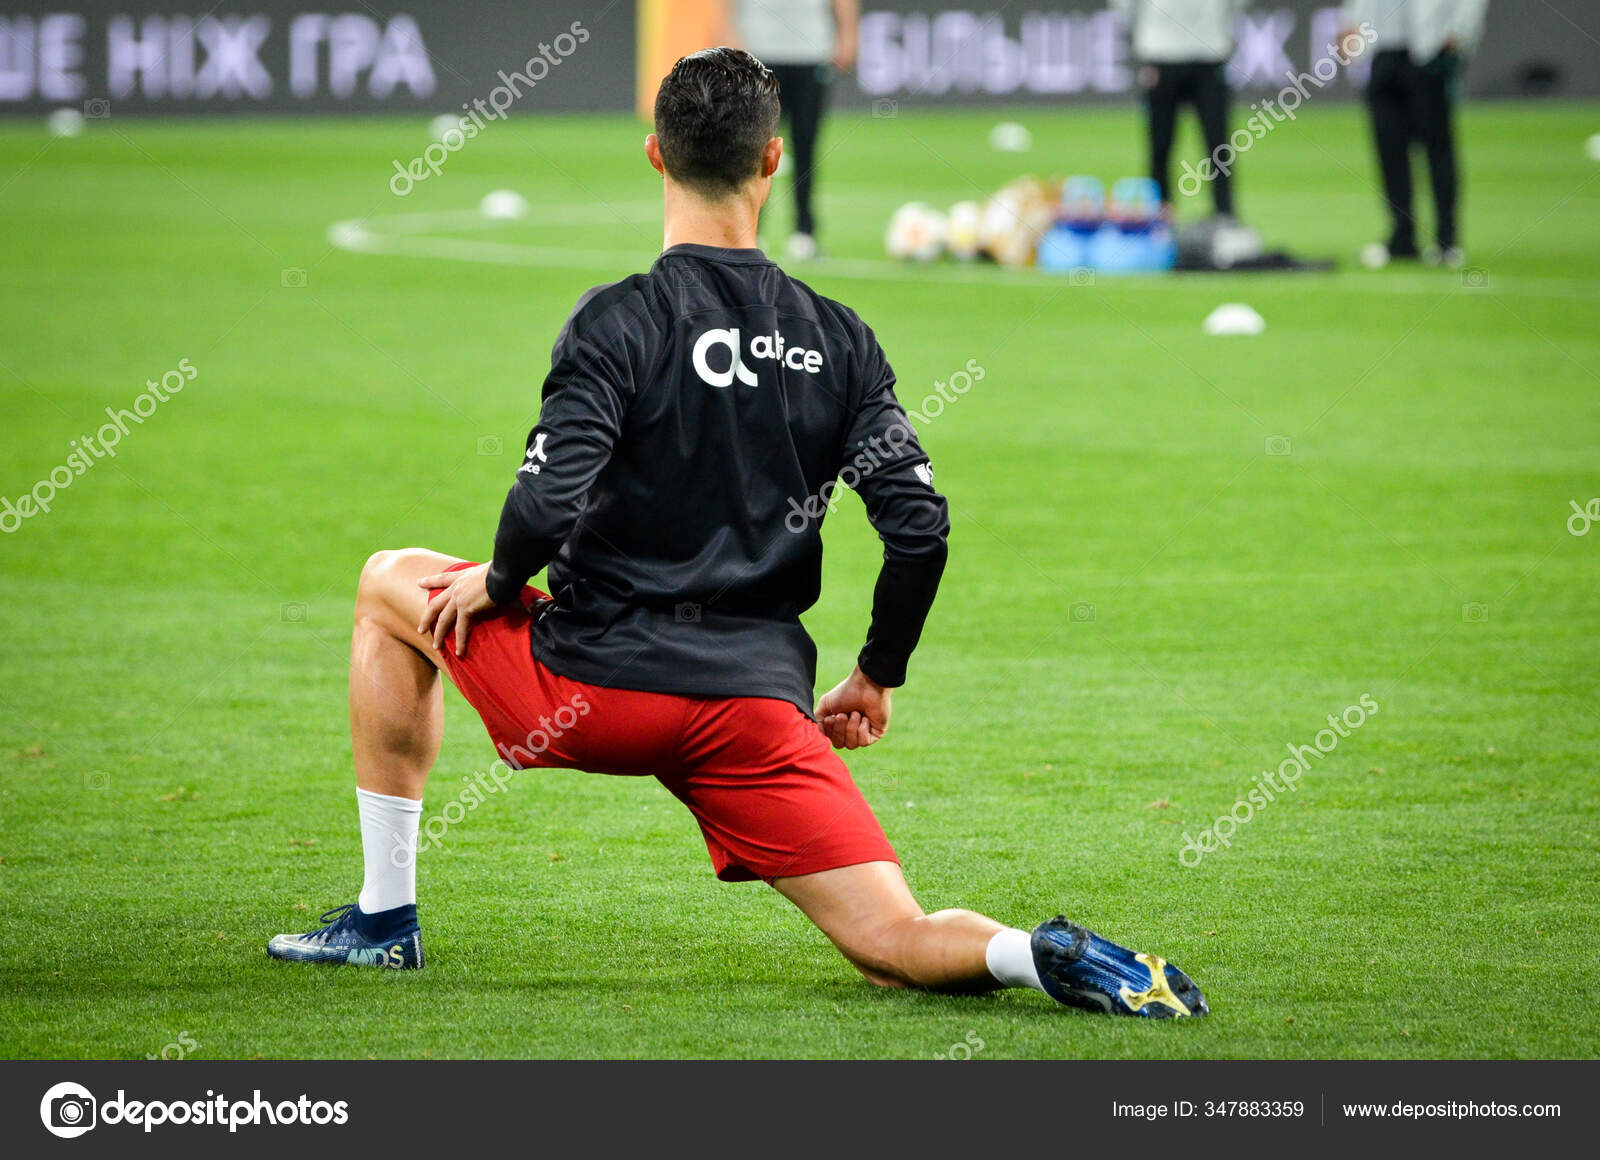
535,456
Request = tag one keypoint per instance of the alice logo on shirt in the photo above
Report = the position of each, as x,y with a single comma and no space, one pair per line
762,346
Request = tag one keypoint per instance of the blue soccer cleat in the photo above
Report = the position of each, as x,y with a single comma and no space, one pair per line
389,939
1081,969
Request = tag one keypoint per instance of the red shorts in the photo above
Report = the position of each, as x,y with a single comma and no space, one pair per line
771,797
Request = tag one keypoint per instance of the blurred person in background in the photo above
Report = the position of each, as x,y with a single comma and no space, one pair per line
1183,47
803,42
1414,85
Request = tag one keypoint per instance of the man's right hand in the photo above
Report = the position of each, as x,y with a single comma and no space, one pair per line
855,712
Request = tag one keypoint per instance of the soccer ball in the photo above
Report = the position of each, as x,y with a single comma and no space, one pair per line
961,236
916,233
1015,218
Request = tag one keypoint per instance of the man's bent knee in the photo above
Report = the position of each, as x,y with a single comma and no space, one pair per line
384,563
390,575
387,597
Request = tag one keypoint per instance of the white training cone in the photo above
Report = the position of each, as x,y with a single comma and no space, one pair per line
1010,137
65,123
503,205
1234,318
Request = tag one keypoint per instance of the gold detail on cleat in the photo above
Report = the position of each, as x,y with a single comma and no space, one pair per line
1159,991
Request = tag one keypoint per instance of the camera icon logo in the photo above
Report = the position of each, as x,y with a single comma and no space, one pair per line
97,108
686,613
1080,612
490,445
1081,276
1475,278
1474,613
96,779
68,1110
292,276
1277,445
884,107
292,613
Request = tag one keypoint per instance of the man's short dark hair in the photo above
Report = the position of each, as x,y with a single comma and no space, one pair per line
715,112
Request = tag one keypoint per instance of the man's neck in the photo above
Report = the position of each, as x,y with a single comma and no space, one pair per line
727,224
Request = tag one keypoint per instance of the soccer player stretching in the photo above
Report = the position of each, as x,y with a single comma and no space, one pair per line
694,422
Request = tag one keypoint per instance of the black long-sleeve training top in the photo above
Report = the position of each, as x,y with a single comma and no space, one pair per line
694,424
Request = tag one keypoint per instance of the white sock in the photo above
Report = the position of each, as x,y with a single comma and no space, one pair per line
1010,959
389,845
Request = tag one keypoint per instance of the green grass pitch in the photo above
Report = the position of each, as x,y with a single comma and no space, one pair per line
174,767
